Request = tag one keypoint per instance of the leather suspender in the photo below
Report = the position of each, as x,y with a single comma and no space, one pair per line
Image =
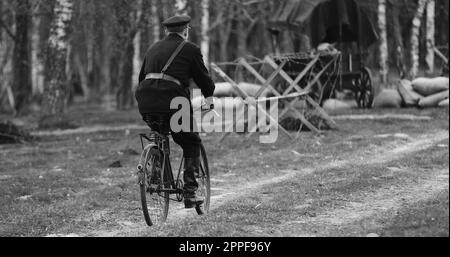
164,76
175,54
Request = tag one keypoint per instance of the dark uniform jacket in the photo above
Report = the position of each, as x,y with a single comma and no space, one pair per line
155,96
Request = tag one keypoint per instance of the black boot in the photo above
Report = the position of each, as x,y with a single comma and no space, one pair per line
191,170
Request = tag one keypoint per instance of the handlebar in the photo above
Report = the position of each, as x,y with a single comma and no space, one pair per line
207,108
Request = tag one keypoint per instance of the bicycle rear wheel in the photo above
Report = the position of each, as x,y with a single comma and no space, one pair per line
204,182
155,203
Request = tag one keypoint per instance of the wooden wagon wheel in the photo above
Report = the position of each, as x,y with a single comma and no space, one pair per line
365,93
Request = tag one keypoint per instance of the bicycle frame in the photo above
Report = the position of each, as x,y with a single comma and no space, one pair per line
168,184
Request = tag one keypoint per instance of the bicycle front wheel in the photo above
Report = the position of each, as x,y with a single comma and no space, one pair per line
204,182
155,202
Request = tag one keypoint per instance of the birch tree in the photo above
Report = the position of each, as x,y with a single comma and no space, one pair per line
431,13
129,23
181,7
383,40
84,46
56,89
37,62
205,42
21,84
156,29
397,35
414,41
137,59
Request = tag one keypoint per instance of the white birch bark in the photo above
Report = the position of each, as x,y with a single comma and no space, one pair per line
431,13
181,7
415,32
383,40
37,67
63,13
205,43
137,59
155,22
56,88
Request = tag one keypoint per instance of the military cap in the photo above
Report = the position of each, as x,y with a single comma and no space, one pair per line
177,21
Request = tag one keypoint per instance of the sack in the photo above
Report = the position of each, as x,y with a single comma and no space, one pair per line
409,96
433,100
443,103
223,90
252,89
333,105
430,86
226,89
388,98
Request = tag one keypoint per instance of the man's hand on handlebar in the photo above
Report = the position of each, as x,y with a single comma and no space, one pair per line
208,105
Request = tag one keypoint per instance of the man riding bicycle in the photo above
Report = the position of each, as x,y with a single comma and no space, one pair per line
168,66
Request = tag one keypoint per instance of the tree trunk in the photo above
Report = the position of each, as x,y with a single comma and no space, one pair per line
56,89
205,42
128,28
431,13
124,94
105,60
225,32
181,7
415,31
383,40
398,37
1,15
37,66
147,27
84,76
45,24
156,31
137,59
21,84
242,39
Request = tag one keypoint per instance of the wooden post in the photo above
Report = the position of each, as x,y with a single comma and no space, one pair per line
295,85
246,97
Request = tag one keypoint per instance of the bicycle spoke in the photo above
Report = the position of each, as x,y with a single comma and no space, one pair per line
154,202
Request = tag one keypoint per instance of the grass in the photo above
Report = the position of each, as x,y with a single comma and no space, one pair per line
266,212
422,219
71,189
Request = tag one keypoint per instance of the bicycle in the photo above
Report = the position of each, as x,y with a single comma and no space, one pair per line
157,182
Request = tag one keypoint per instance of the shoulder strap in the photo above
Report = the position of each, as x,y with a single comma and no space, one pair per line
175,54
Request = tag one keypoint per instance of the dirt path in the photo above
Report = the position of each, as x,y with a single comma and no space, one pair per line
383,117
105,128
371,204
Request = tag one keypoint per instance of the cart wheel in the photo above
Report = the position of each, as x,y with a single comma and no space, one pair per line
364,84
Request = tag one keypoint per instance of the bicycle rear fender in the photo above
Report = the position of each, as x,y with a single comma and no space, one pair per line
145,156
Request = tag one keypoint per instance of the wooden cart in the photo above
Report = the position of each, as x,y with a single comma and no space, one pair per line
339,22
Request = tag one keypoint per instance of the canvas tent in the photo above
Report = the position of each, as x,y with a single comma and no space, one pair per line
325,21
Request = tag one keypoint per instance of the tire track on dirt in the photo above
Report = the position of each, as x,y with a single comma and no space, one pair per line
373,205
177,214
